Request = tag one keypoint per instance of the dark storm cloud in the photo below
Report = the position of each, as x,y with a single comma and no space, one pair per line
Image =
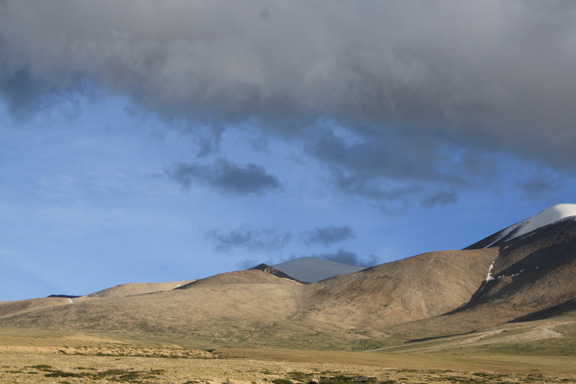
266,239
328,235
403,83
20,91
225,176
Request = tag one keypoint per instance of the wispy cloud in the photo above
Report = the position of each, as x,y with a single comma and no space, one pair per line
347,257
273,238
248,238
328,235
225,176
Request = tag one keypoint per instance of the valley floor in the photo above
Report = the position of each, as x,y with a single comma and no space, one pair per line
50,357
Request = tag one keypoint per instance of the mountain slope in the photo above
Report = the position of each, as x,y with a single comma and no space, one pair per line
250,276
218,312
11,308
418,287
259,308
548,216
531,280
132,289
532,272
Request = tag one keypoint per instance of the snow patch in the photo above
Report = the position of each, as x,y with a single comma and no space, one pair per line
490,277
512,275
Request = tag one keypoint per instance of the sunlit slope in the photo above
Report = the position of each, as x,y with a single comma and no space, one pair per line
133,289
215,311
531,285
523,286
415,288
258,308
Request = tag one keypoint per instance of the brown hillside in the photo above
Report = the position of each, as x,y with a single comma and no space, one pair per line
10,308
204,311
257,308
533,280
430,297
124,290
532,274
415,288
251,276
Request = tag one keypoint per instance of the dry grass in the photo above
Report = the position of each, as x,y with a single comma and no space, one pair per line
37,357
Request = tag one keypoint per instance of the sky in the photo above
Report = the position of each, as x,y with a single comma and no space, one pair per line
145,141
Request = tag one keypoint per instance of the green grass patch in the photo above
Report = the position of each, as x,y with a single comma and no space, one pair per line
343,379
299,376
42,367
117,375
282,381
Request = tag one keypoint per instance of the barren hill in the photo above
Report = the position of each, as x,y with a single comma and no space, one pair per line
11,308
532,274
214,311
132,289
260,308
530,282
415,288
251,276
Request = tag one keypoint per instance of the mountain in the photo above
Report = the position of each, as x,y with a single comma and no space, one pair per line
418,287
548,216
529,288
517,284
312,269
271,270
251,276
534,271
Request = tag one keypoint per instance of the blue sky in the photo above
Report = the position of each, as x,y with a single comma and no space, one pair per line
142,142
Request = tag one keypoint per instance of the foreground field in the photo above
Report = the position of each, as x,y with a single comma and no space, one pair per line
60,357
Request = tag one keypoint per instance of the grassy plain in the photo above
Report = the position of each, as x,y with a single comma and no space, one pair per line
37,356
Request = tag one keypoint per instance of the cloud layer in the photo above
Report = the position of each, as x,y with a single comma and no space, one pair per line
409,91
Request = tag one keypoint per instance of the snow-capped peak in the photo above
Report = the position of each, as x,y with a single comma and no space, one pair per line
546,217
542,219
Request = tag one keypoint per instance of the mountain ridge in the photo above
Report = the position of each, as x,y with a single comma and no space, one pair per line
556,213
523,278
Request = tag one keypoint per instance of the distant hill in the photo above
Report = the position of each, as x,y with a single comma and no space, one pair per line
312,269
251,276
133,289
